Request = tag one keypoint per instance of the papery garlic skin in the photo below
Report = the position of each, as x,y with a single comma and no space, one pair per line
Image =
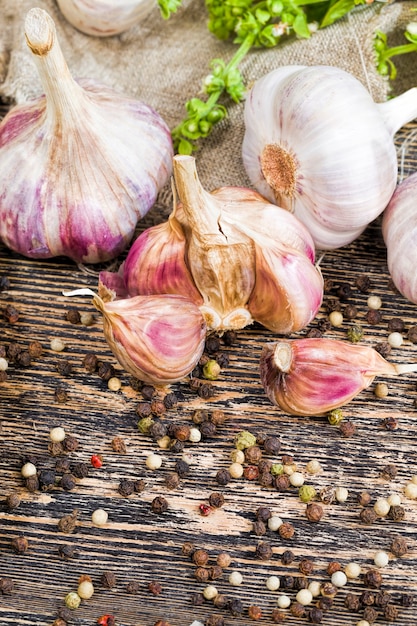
314,376
318,145
104,18
237,256
399,229
79,167
158,339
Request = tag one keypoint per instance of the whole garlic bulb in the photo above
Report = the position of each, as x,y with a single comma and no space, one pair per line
318,145
238,257
314,376
79,166
103,18
399,229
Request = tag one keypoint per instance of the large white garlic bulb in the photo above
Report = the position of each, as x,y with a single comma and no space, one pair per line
399,228
103,18
318,145
79,166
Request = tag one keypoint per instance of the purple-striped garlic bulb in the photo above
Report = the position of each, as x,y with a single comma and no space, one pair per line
318,145
399,229
238,257
80,165
314,376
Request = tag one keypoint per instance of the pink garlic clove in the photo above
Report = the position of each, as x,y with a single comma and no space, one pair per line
314,376
157,339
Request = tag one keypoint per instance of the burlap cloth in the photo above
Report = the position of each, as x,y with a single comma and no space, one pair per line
163,63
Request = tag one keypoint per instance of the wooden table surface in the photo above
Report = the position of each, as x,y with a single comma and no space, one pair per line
140,546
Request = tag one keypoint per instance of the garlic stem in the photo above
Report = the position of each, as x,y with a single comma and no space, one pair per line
399,110
61,90
201,212
283,356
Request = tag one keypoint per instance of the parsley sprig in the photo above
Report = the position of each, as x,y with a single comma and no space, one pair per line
249,24
384,53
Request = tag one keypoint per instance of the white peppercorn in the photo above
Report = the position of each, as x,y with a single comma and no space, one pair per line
153,461
296,479
381,558
274,522
374,302
410,490
237,456
313,467
353,570
28,469
272,583
336,319
57,345
339,579
236,470
99,517
304,597
57,434
341,494
85,589
3,364
314,587
382,507
235,579
195,435
395,340
114,384
210,592
394,499
283,601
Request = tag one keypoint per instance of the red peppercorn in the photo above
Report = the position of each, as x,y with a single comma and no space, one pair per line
106,620
96,460
204,509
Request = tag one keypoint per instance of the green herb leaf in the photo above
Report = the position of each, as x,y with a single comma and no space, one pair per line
167,7
336,11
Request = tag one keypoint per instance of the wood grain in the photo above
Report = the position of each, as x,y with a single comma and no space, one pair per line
138,545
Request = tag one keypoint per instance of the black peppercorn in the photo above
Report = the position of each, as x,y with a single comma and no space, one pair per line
64,367
202,574
182,468
253,454
206,391
352,602
6,586
170,400
214,620
272,445
265,479
132,588
197,599
390,612
66,551
12,501
148,392
412,334
157,430
70,443
223,477
20,544
396,513
278,616
216,500
32,483
73,316
389,472
143,409
373,317
172,480
406,599
80,470
126,487
105,371
236,607
372,578
215,572
208,429
298,610
287,557
300,582
306,566
259,528
282,482
67,482
62,466
368,516
221,601
325,603
383,348
212,344
11,314
344,291
176,445
399,546
363,283
263,513
199,416
139,485
159,505
155,588
263,550
382,598
287,582
90,362
108,579
60,395
370,614
315,615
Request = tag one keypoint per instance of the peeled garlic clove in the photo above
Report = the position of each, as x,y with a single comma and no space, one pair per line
103,18
399,229
78,167
158,339
318,145
314,376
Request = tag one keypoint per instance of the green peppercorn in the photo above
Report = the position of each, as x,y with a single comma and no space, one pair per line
244,440
355,333
335,417
277,469
72,600
306,493
145,424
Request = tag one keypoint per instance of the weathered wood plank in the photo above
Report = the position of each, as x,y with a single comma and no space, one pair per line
138,545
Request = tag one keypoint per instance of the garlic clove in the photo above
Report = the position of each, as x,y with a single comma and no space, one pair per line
317,144
399,229
288,290
158,339
79,166
156,262
104,18
314,376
